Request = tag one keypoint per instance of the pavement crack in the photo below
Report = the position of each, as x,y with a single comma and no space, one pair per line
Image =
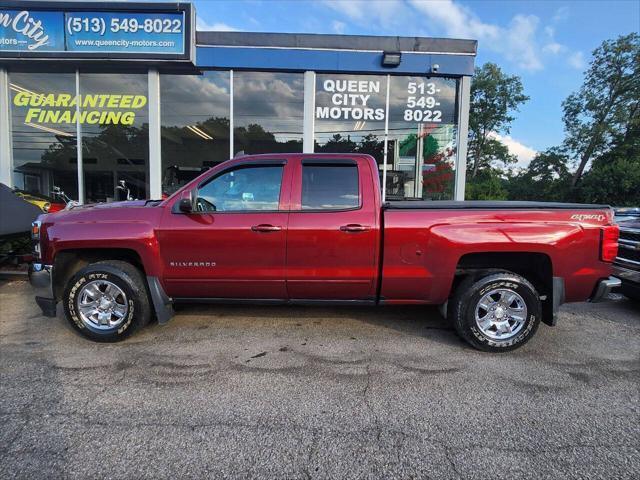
447,455
367,402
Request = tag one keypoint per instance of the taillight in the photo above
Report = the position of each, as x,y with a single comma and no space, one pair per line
609,243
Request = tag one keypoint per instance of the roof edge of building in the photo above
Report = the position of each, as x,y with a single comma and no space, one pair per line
338,42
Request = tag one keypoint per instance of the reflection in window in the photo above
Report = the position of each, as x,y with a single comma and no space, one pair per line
44,144
268,112
350,114
195,125
330,187
115,136
422,138
242,189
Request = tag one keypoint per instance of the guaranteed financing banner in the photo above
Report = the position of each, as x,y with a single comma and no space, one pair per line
93,32
92,109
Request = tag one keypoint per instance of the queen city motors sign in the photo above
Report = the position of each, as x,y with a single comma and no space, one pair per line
350,99
34,32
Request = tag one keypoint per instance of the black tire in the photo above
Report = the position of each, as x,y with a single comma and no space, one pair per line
462,310
129,280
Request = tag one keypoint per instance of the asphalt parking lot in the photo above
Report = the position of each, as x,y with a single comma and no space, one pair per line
275,392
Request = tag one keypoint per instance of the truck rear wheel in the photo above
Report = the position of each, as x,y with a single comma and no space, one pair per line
107,301
497,312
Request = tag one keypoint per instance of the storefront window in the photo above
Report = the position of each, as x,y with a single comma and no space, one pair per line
268,111
44,134
115,136
422,138
195,125
350,114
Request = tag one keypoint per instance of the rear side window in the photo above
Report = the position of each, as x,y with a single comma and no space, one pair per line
330,187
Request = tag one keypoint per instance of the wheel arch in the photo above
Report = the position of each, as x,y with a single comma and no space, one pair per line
536,267
68,262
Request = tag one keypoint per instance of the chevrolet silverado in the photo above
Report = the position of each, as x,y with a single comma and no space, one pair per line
312,229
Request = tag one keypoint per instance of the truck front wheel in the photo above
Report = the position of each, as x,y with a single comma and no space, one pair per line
107,301
496,313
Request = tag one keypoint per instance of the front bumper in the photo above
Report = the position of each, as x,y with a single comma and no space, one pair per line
604,288
40,277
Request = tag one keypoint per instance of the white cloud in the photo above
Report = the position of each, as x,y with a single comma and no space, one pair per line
517,41
217,26
523,40
561,14
576,60
390,14
554,48
457,20
521,47
338,26
524,153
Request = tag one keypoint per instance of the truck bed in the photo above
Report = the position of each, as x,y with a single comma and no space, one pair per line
487,205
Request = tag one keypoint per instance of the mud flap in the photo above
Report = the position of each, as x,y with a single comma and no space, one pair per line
551,306
162,304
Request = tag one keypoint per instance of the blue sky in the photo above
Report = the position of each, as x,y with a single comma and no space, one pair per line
547,43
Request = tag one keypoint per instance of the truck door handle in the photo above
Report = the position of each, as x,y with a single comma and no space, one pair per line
265,227
354,228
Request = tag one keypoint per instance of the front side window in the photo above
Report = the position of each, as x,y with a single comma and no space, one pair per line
330,187
255,188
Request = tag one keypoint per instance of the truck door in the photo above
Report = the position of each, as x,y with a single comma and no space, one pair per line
233,245
332,239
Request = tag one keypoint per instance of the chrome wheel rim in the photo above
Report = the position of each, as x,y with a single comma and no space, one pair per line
102,305
501,313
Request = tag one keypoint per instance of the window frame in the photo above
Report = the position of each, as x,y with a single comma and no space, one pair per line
321,162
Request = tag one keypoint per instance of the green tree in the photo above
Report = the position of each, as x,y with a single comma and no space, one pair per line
494,97
337,144
614,177
546,178
490,184
606,103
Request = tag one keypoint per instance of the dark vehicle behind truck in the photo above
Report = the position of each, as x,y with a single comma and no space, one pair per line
627,264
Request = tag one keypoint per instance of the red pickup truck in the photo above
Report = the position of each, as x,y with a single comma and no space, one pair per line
312,229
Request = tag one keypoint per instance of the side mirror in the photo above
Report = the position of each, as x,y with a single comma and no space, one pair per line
185,205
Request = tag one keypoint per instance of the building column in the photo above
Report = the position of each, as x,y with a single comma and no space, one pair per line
231,119
155,136
6,148
309,115
464,94
79,157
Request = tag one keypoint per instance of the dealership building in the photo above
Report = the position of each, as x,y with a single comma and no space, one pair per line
94,95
